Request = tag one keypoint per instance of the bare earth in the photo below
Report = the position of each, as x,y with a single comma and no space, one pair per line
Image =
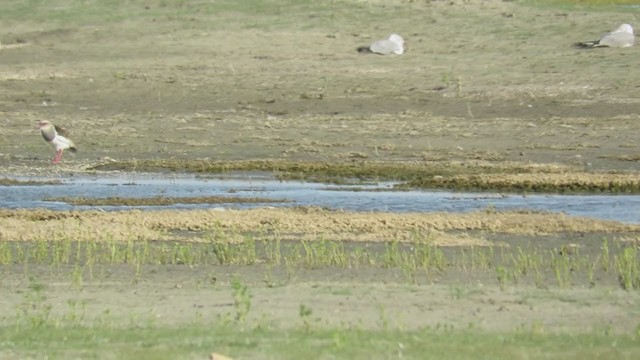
170,295
487,80
482,81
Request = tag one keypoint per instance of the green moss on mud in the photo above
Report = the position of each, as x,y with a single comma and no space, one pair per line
286,170
479,176
542,185
15,182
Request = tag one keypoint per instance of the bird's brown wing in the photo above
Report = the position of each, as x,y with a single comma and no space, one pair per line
60,130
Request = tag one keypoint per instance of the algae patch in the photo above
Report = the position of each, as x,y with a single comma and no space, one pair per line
16,182
451,175
535,183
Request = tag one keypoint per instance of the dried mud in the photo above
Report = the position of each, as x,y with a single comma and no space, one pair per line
293,224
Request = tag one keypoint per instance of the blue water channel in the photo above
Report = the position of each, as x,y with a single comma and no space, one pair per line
376,197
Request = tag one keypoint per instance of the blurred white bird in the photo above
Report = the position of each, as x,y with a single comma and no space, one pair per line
621,37
55,136
394,44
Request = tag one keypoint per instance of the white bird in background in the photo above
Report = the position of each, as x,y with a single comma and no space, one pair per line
621,37
55,136
394,44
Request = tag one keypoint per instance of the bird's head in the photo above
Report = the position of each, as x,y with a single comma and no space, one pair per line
43,124
400,43
625,28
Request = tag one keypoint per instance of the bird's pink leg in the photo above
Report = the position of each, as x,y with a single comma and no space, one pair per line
58,156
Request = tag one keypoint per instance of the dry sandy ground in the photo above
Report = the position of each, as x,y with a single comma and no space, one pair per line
303,223
482,80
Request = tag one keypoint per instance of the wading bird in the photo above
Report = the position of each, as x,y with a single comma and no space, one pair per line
55,136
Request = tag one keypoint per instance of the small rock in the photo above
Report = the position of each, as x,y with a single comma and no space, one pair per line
216,356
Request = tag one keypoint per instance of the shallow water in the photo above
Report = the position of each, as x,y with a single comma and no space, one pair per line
377,197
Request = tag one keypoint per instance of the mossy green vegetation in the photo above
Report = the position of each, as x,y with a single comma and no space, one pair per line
476,176
417,262
17,182
198,341
595,3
